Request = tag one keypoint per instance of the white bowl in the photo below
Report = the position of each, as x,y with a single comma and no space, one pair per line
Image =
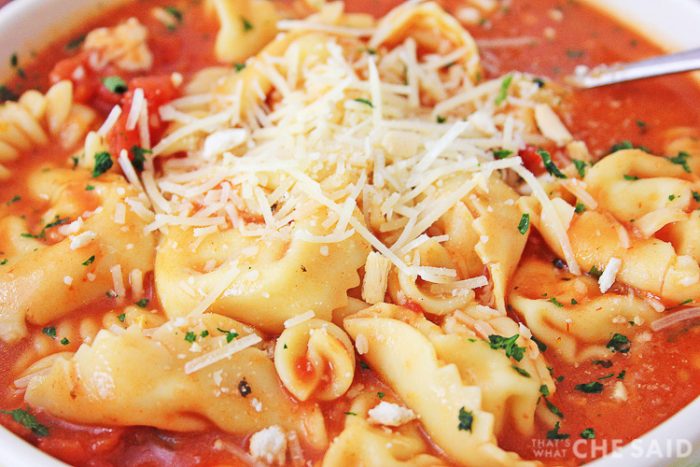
26,25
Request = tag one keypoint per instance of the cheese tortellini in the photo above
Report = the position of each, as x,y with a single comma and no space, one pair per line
132,377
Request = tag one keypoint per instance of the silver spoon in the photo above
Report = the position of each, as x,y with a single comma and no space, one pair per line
604,75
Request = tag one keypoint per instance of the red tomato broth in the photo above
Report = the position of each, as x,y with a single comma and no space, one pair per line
599,117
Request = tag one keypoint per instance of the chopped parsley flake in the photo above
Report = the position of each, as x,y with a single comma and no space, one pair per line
580,207
540,345
595,272
521,371
556,302
466,419
549,165
190,337
554,433
103,162
6,94
544,390
26,419
622,145
89,261
696,196
603,363
590,388
65,341
503,92
380,395
524,224
440,119
204,333
350,413
671,197
630,178
364,365
75,43
247,25
122,317
115,84
362,100
49,331
621,375
239,67
559,263
619,343
501,153
230,335
686,301
143,303
580,167
3,262
175,13
89,187
508,344
574,301
13,200
682,160
139,157
588,433
554,409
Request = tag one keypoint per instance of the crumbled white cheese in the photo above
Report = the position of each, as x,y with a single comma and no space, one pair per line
607,279
620,391
269,445
388,414
80,240
361,344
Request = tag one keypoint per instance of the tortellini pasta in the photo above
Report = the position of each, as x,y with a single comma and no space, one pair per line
315,360
132,377
95,257
570,315
124,45
246,26
410,364
361,443
271,281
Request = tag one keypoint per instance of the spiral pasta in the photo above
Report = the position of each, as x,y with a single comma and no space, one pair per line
36,120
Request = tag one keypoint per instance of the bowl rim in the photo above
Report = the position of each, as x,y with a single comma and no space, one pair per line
665,29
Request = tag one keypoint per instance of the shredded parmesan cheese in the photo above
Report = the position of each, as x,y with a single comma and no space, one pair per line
607,278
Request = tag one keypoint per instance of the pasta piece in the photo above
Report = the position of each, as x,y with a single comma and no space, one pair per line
315,360
406,359
124,45
246,26
88,250
420,22
404,287
37,120
574,320
272,280
131,378
361,443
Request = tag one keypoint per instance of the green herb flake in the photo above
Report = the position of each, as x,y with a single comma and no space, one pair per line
608,376
603,363
75,43
556,302
115,84
3,262
580,207
239,67
524,224
588,433
143,303
13,200
574,301
549,165
575,53
139,157
630,178
362,100
364,365
619,343
6,94
466,419
696,196
247,25
89,261
621,146
544,390
440,119
686,301
175,13
89,187
521,371
682,160
230,335
380,395
26,419
595,272
509,344
503,91
622,374
580,167
49,331
65,341
555,434
190,337
502,153
204,334
351,414
553,408
540,345
103,162
671,197
121,317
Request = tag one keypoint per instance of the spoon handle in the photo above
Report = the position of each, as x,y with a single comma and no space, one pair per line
604,75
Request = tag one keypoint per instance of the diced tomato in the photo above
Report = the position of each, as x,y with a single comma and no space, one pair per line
157,90
532,160
76,69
